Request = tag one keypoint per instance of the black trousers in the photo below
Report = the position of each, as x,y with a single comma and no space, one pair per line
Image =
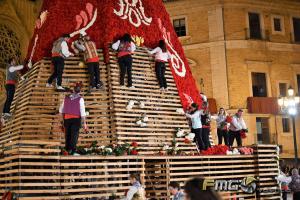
59,64
72,127
296,195
222,134
125,63
10,92
93,68
160,69
235,135
205,133
198,138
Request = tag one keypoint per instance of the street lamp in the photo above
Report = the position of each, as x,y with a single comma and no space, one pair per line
288,105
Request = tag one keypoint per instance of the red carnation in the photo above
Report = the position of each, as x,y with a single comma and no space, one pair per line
228,119
133,152
187,141
243,134
65,153
134,144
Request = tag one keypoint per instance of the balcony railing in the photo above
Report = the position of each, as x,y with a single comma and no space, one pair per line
263,105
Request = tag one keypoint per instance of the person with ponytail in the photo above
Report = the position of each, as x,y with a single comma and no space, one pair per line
125,48
194,114
72,110
161,58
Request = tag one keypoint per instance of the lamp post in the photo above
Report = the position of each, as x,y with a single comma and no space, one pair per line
288,105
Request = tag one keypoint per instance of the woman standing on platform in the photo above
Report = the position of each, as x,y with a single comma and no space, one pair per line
161,58
222,126
125,48
205,120
73,111
195,115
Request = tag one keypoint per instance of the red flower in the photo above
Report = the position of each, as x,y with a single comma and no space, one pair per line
65,153
133,152
161,153
243,134
134,144
187,141
228,119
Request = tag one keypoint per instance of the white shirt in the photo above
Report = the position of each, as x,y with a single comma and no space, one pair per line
237,124
116,45
65,49
15,68
82,107
196,119
160,55
220,119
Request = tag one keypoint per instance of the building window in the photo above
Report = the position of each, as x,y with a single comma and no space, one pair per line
282,89
263,132
254,26
286,125
296,25
259,84
277,24
180,27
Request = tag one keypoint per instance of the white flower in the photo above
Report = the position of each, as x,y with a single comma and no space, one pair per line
128,107
190,136
228,152
86,149
180,110
109,150
142,104
101,147
166,147
235,151
143,124
139,122
180,133
146,118
131,103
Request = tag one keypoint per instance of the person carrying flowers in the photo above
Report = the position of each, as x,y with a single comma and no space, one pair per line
236,128
73,112
125,48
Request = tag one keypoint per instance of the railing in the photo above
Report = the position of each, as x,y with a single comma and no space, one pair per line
262,105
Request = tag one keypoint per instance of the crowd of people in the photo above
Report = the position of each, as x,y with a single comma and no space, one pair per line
229,128
289,179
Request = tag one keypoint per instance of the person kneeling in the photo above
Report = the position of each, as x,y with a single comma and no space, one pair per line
73,111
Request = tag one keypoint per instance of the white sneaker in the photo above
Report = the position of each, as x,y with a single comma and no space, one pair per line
60,88
131,87
162,89
166,89
76,154
49,85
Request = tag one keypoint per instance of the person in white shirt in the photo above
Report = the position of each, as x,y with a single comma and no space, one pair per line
125,48
236,126
10,86
60,52
161,58
136,190
194,114
73,112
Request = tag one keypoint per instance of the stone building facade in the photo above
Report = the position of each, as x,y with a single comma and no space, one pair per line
243,49
17,20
